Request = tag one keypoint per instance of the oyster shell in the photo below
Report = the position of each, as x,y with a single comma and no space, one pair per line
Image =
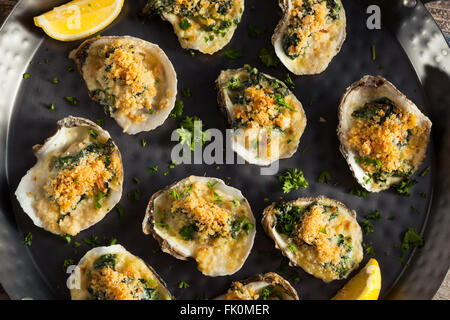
204,219
267,128
320,235
204,25
132,79
267,286
383,134
76,180
113,273
309,35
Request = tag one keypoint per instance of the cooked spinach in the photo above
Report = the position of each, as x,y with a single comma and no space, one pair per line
108,260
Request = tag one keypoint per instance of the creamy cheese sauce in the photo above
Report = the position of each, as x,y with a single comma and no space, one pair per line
267,116
386,140
207,222
118,276
125,79
77,181
322,238
206,25
314,31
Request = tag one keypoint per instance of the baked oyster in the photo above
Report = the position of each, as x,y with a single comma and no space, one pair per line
113,273
310,34
383,134
202,218
320,235
204,25
268,286
267,118
132,79
76,180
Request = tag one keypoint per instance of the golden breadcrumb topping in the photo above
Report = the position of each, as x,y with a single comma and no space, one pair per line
112,285
239,292
393,142
199,206
314,231
129,79
307,24
85,179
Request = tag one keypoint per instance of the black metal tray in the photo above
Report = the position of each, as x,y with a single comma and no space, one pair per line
410,52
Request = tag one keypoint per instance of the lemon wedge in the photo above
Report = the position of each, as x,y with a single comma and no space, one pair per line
78,19
365,285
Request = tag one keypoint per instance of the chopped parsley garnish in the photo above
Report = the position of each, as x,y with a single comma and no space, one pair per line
367,226
92,241
76,244
177,111
359,191
279,99
71,100
324,177
173,165
211,185
187,232
26,75
135,196
292,247
51,107
174,194
93,133
153,169
373,53
253,32
136,180
100,122
119,210
143,143
268,57
192,134
292,179
55,80
112,241
411,239
415,209
311,100
424,171
100,196
374,216
67,237
265,293
185,24
288,81
404,187
183,285
186,93
162,225
423,194
28,239
70,68
232,53
66,264
370,250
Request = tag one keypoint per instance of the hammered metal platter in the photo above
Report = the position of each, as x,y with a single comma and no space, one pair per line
410,52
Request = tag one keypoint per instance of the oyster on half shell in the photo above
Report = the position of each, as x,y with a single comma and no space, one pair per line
113,273
383,134
132,79
267,286
320,235
76,180
310,34
204,219
267,119
204,25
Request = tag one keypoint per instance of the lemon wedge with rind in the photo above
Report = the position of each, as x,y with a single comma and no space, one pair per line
78,19
366,285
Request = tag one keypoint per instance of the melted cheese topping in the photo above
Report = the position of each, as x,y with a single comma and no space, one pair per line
211,224
240,292
325,242
205,25
127,81
393,140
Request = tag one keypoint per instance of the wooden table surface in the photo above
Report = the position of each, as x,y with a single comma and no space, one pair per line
441,13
